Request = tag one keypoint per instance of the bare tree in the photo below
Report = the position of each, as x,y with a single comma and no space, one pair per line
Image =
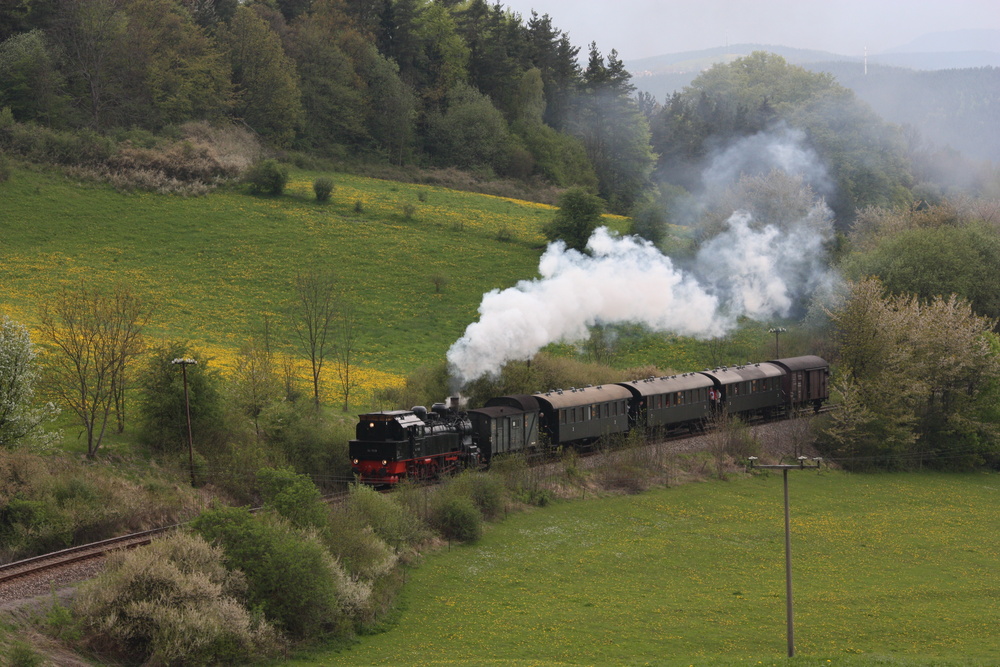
256,384
314,311
344,346
95,336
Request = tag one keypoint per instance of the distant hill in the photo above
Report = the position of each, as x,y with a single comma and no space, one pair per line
952,41
946,85
958,108
959,49
662,75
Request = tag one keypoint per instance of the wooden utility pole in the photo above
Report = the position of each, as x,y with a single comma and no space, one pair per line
788,540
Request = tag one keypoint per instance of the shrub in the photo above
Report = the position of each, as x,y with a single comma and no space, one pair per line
290,575
359,207
4,168
409,211
294,497
456,517
267,177
323,187
173,602
357,547
485,490
395,524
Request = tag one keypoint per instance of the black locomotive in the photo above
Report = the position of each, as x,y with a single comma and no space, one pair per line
398,444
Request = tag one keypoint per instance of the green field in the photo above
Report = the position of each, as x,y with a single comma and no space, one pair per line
889,569
416,259
215,265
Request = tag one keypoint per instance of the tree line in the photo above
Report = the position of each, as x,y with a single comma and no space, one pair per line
424,82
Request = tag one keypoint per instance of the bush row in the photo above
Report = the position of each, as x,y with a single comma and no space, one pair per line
240,586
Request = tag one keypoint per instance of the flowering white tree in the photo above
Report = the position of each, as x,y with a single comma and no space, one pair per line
20,419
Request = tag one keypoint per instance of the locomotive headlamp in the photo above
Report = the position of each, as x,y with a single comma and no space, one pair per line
355,462
384,462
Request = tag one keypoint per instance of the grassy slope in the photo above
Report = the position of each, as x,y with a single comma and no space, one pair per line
215,265
885,565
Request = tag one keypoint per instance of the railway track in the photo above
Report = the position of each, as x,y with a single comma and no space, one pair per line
84,552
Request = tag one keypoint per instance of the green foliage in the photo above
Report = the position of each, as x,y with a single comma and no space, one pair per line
30,84
932,252
22,655
865,156
914,380
469,133
391,521
267,177
290,576
650,222
486,491
357,547
323,187
161,405
172,602
456,517
559,158
44,145
332,101
268,95
578,216
294,497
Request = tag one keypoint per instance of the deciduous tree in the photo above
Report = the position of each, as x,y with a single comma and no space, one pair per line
578,216
267,90
20,417
94,336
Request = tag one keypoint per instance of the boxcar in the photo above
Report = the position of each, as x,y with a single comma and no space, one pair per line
582,415
670,402
505,424
806,381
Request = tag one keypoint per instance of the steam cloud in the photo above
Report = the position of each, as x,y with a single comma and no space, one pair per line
751,269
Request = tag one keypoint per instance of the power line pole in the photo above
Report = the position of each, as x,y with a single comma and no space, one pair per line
777,331
184,363
788,540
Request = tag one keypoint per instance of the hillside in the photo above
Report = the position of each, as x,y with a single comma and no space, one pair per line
215,265
952,97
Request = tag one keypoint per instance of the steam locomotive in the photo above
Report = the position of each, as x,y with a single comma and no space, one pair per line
415,444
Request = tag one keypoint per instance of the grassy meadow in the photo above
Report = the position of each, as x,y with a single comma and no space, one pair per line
215,265
888,570
415,258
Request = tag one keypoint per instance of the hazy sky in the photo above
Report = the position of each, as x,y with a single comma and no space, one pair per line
641,28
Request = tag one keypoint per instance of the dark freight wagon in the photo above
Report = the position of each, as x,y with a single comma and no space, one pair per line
805,381
505,424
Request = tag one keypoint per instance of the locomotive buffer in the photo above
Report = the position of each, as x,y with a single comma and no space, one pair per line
784,468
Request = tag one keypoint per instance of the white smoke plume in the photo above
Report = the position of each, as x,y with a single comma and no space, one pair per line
624,280
751,269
